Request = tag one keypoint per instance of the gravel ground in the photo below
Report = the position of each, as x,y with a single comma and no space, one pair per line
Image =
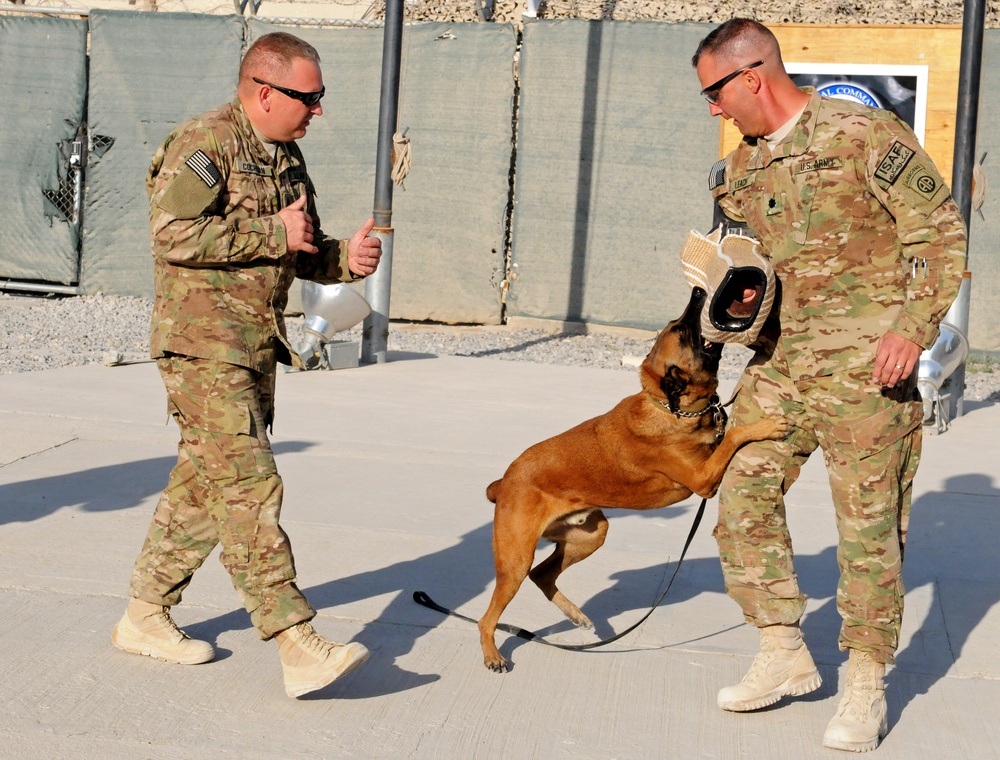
775,12
47,332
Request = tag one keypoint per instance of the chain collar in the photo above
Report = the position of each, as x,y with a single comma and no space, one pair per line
714,407
713,403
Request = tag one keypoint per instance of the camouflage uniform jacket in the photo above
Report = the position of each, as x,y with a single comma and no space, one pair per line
862,230
221,265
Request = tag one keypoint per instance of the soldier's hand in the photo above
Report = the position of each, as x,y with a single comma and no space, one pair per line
895,360
364,252
298,226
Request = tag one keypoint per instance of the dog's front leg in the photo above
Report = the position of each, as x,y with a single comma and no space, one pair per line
708,477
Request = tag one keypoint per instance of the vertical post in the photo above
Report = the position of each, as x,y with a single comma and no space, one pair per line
966,121
375,333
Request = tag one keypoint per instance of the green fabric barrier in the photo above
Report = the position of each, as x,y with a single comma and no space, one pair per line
148,72
613,154
42,93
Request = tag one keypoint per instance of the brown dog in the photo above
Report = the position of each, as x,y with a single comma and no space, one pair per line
653,449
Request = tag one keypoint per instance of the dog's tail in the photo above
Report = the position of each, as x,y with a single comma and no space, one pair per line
491,490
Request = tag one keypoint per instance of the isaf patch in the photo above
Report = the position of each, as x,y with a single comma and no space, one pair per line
202,165
894,163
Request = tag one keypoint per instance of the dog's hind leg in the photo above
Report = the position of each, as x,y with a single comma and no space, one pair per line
513,551
576,536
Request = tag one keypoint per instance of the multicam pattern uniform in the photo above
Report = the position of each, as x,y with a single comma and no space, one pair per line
849,206
222,272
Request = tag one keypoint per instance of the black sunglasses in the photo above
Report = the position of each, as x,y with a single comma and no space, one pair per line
711,93
309,99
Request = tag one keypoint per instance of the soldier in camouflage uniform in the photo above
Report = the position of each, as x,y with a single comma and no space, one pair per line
848,205
233,221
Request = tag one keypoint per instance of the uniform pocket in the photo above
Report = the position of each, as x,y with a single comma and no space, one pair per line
209,416
880,431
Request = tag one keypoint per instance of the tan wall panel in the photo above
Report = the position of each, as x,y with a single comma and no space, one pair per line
938,47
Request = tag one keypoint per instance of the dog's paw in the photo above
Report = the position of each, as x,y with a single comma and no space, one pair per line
780,427
496,663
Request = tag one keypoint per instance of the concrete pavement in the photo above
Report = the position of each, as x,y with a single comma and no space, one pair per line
385,468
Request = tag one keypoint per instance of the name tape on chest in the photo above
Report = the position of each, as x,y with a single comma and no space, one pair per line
245,167
819,164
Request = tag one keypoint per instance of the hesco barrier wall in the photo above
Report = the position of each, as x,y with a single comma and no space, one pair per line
43,87
613,153
610,161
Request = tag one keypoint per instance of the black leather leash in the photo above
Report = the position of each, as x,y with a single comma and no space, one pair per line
423,599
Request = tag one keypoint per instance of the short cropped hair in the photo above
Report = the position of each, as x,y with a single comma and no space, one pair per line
271,56
738,38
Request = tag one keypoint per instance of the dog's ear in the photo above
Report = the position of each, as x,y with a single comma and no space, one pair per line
652,368
674,383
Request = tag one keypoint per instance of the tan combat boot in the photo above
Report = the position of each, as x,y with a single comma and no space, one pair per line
149,630
783,667
861,721
310,662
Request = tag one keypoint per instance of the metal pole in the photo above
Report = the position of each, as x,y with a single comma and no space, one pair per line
375,334
966,121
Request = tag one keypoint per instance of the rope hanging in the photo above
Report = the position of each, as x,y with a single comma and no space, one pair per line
979,187
400,157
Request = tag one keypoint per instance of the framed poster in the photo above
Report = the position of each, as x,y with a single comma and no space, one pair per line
900,89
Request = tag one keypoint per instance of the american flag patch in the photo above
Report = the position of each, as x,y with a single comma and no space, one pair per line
202,166
717,174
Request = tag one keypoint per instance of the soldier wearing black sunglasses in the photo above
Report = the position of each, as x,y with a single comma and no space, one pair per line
233,222
309,99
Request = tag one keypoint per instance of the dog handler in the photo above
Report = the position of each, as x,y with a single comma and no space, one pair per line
233,221
844,200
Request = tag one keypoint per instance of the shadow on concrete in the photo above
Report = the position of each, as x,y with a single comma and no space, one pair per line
453,577
456,575
952,550
96,489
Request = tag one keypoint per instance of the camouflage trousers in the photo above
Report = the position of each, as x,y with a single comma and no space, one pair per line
871,446
224,489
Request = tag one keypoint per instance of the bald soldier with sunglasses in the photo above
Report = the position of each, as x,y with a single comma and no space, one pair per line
233,221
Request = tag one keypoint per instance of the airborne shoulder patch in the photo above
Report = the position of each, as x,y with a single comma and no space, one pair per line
894,162
923,181
202,165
